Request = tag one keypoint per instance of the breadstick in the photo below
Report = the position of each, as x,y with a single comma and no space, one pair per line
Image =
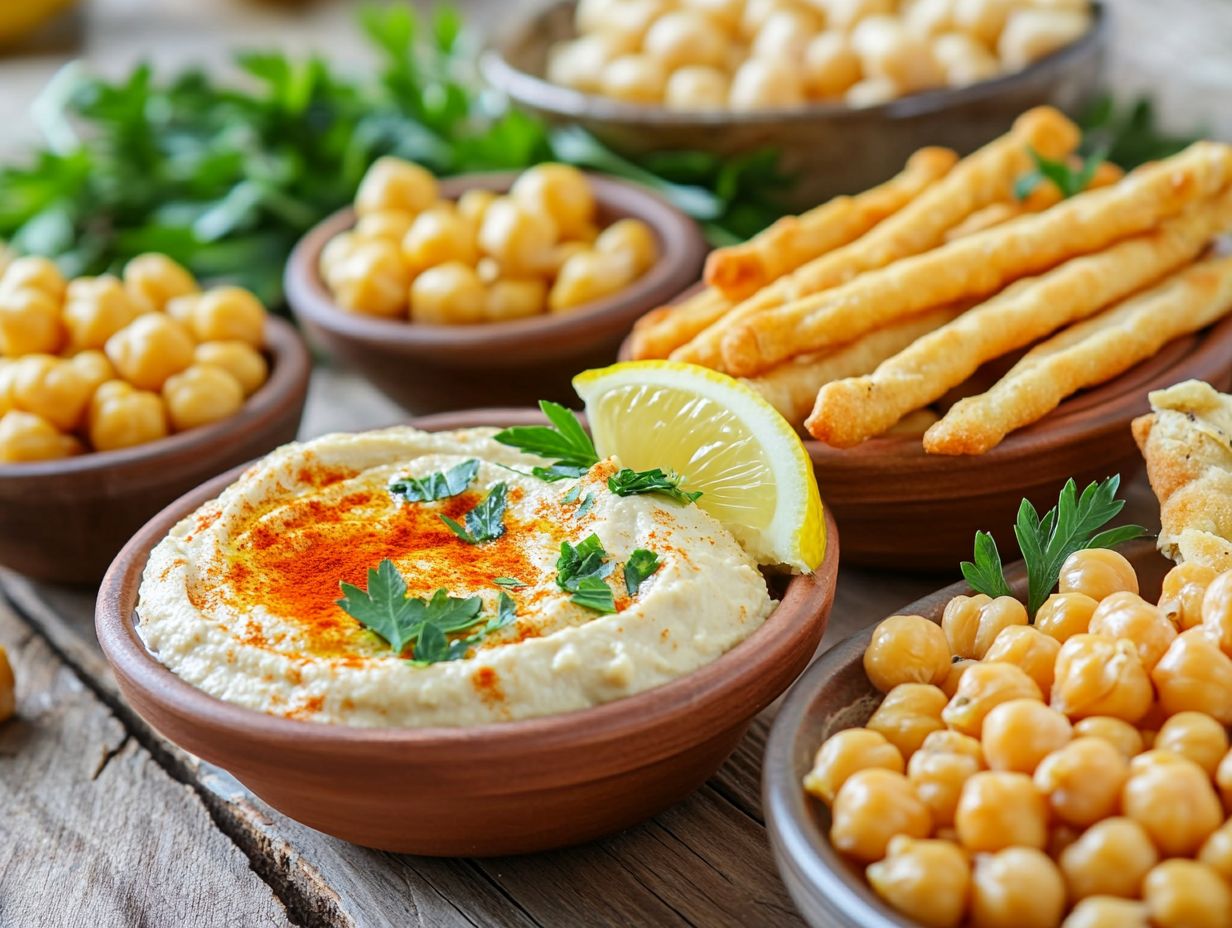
1088,353
980,264
849,411
987,176
792,387
662,330
741,270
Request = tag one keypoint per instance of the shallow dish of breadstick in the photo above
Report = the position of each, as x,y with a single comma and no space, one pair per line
961,331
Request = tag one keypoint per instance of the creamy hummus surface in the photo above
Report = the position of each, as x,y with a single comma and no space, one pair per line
241,598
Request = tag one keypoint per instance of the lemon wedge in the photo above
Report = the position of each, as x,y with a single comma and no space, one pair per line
724,439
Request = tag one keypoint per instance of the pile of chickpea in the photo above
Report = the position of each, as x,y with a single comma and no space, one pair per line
1075,771
761,54
484,258
100,363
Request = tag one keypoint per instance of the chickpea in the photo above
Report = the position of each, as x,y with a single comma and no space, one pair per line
972,623
1195,736
1097,572
153,279
1064,615
1030,34
1000,809
634,79
928,18
448,294
239,359
963,60
228,314
473,205
831,66
580,63
1082,780
149,350
519,238
633,238
52,388
94,367
437,236
1032,650
558,191
513,298
1217,611
1106,912
983,687
371,279
958,667
870,809
1216,851
906,649
953,742
928,881
784,36
1020,733
938,778
488,270
1154,757
95,308
392,224
908,714
1117,732
983,20
1223,779
334,255
1098,675
628,21
1187,894
201,394
1018,887
889,51
121,417
844,14
29,323
1127,615
686,37
31,272
845,753
726,13
760,83
1195,675
1111,858
25,437
589,276
1183,589
755,14
391,183
1175,803
696,87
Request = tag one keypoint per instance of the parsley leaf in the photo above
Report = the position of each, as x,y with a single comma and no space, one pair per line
588,503
436,486
641,564
1070,181
564,440
511,582
627,482
486,521
593,593
572,496
581,570
986,574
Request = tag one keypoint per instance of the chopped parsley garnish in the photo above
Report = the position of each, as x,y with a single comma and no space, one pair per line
1070,181
559,472
581,570
588,502
564,441
573,494
439,485
486,521
641,564
511,582
627,482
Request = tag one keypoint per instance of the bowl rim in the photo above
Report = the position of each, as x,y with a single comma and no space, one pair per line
289,372
806,602
680,240
537,91
797,848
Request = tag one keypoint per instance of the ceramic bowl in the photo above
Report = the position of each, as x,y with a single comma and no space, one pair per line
428,368
829,148
486,790
65,520
835,694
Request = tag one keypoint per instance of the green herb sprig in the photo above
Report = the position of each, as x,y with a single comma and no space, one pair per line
1069,180
564,440
1073,524
640,566
439,485
581,570
486,521
626,482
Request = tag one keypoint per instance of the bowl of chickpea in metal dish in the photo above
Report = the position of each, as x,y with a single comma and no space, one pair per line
843,90
959,764
118,394
487,289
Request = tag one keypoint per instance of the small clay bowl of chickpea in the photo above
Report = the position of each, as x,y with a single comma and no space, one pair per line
843,90
962,764
118,394
487,289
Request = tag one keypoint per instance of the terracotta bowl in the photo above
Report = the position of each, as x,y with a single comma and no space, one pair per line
487,790
830,148
65,520
903,509
428,368
835,694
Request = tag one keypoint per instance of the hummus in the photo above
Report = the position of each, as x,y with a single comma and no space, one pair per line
241,598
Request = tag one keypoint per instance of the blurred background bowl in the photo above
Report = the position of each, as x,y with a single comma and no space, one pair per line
829,148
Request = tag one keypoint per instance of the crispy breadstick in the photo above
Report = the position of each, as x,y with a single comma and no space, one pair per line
1088,353
792,387
662,330
849,411
980,264
987,176
741,270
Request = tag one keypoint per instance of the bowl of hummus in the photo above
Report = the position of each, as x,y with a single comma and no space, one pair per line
410,640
